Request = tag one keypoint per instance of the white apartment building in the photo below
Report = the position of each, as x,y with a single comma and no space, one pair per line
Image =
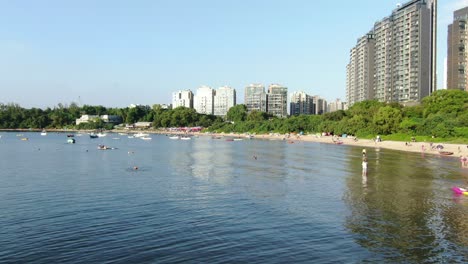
204,100
224,99
182,98
337,105
301,104
320,105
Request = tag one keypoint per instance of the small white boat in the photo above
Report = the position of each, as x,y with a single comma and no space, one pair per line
145,138
238,139
101,134
44,133
185,138
140,135
131,137
174,137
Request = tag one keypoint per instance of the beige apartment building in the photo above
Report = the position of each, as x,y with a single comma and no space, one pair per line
360,70
396,60
457,56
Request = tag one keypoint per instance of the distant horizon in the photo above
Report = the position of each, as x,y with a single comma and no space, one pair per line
114,54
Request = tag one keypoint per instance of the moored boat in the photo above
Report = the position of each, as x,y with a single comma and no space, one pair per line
44,132
71,141
141,135
445,153
104,147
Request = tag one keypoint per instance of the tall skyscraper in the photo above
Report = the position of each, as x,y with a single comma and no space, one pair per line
360,70
401,66
301,104
224,99
255,98
204,100
277,100
182,98
457,54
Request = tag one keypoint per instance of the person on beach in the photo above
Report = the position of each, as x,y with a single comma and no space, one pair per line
364,153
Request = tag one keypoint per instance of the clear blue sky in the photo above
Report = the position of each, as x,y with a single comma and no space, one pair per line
115,52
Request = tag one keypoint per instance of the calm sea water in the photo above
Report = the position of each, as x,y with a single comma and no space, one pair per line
211,201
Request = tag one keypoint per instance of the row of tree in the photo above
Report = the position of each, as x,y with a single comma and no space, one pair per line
443,114
13,116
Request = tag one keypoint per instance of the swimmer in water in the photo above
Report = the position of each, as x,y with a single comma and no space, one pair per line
135,168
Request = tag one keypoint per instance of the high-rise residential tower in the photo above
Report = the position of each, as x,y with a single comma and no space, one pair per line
182,98
360,70
204,100
277,100
255,98
301,104
401,66
224,99
457,54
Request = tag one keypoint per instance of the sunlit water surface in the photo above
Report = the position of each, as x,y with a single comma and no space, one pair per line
215,201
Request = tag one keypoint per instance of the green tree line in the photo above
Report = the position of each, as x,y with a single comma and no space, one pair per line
13,116
444,114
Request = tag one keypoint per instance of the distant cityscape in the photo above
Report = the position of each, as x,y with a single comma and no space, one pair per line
393,62
273,101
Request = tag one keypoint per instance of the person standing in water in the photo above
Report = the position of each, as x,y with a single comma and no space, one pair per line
364,166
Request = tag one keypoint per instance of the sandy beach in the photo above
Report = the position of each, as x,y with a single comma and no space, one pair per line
419,147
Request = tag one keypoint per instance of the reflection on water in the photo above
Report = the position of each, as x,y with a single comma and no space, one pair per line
213,201
403,209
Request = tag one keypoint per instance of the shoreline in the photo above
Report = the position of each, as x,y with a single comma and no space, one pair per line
416,147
